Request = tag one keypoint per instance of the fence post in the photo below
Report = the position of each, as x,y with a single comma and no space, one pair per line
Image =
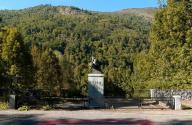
152,93
177,102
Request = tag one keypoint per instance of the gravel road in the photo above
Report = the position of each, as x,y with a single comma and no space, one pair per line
159,117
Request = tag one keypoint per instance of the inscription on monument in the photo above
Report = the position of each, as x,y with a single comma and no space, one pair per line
96,85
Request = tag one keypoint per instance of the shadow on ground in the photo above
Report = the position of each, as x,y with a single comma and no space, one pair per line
97,122
33,120
18,119
113,122
177,122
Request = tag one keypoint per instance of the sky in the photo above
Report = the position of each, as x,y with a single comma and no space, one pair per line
94,5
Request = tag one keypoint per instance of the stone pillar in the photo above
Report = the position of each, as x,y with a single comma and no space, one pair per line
177,102
12,101
96,90
152,93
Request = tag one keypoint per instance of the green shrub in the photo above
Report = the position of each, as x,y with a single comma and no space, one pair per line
46,107
186,107
4,105
23,108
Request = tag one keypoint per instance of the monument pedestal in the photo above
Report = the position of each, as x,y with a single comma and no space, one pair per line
96,90
12,101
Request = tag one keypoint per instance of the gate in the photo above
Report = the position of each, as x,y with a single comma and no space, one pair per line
140,99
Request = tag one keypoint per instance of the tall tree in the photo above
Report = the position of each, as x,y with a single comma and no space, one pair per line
170,52
48,70
16,57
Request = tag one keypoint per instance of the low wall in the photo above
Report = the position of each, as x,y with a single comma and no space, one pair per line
185,94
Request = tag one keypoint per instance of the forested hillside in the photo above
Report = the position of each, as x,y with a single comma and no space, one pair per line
70,37
60,41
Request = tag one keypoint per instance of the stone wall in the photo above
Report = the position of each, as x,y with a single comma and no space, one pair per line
185,94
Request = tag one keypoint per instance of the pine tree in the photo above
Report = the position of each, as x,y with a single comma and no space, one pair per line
17,59
170,52
48,70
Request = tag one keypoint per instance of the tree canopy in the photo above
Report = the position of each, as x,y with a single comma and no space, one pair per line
169,58
55,45
76,35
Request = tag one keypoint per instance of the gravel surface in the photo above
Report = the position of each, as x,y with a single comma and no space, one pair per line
161,117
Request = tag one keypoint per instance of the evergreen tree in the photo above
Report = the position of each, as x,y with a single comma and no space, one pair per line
170,52
16,58
48,70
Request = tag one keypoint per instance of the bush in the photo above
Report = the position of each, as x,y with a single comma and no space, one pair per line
186,107
46,107
23,108
4,105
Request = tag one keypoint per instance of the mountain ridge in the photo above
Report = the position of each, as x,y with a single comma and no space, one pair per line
147,13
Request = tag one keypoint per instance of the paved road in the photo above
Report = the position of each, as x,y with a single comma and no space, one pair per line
143,117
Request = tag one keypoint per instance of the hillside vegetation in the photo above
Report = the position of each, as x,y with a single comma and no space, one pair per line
60,41
74,36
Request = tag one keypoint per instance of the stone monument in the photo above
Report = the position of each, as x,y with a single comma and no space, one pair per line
12,101
95,85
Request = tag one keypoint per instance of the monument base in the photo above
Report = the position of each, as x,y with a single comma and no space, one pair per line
12,102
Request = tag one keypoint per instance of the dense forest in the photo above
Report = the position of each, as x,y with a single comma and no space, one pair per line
48,47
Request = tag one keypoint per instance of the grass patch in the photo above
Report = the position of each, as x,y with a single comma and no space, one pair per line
4,105
46,107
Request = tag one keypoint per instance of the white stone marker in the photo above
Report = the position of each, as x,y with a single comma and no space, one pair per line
152,93
96,89
177,102
12,100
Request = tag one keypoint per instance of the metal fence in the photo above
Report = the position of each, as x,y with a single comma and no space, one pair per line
139,102
38,98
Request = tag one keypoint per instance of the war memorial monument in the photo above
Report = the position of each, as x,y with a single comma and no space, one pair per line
95,85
